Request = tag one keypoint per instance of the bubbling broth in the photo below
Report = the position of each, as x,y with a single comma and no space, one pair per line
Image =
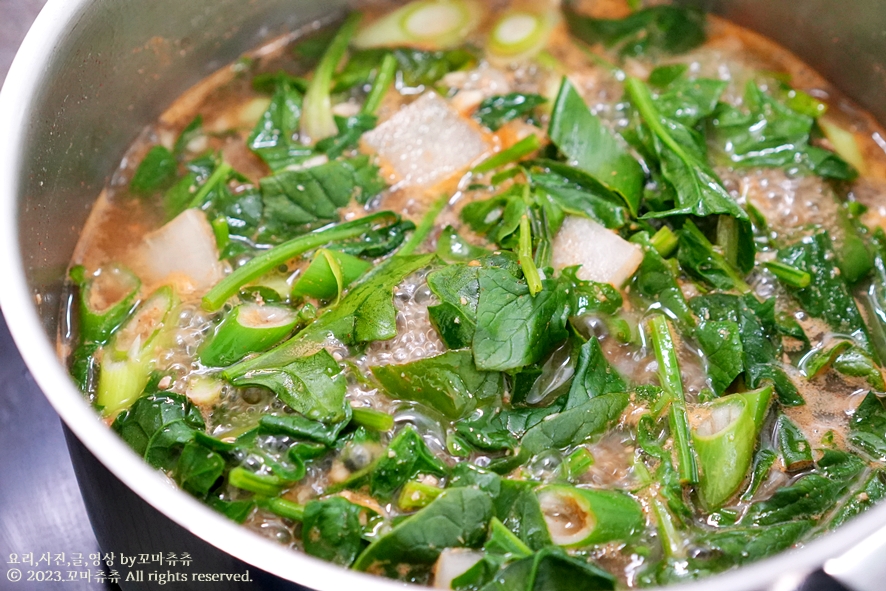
600,289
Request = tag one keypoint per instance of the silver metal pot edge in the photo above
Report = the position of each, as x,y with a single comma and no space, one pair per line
836,550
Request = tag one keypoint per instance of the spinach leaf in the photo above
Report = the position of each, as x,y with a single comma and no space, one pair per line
698,258
448,383
721,343
458,518
198,469
759,342
296,199
377,242
300,427
497,110
577,424
577,193
552,569
680,152
655,281
771,134
872,491
514,328
313,385
658,29
521,514
867,427
331,530
274,138
156,171
593,377
742,545
689,101
585,141
415,67
812,495
350,130
827,296
158,425
406,456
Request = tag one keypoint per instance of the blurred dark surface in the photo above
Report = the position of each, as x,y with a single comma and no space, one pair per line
41,508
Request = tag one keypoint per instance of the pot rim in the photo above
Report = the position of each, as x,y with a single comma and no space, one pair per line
18,304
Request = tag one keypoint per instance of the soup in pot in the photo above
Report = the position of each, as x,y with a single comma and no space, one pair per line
501,295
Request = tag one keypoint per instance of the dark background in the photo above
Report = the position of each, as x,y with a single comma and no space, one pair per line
41,510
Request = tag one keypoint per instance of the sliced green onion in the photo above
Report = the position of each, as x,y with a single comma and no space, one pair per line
106,299
263,484
845,144
120,384
795,450
724,439
373,420
521,149
671,382
519,35
429,24
424,227
789,275
317,121
579,517
664,241
416,495
329,274
530,271
384,78
248,328
282,253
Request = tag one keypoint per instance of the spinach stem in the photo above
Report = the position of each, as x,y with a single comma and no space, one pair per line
278,255
789,275
416,495
372,419
524,147
669,375
530,271
263,484
218,175
284,508
424,227
387,70
664,241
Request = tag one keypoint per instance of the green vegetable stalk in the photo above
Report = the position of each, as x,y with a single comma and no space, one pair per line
669,374
106,299
425,226
387,71
795,450
416,495
278,255
724,438
317,121
517,152
246,329
579,517
128,358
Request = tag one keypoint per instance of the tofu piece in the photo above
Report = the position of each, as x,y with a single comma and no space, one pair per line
182,253
426,142
604,256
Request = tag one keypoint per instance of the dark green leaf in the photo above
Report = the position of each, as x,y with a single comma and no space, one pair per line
406,456
577,424
458,518
867,428
698,257
350,130
274,137
449,383
497,110
313,385
514,328
331,530
552,569
155,173
198,469
594,376
153,411
659,29
721,343
870,493
585,141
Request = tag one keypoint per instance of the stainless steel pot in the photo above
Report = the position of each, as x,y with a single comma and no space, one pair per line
92,73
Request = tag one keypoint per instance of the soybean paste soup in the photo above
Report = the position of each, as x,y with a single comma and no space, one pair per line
600,288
